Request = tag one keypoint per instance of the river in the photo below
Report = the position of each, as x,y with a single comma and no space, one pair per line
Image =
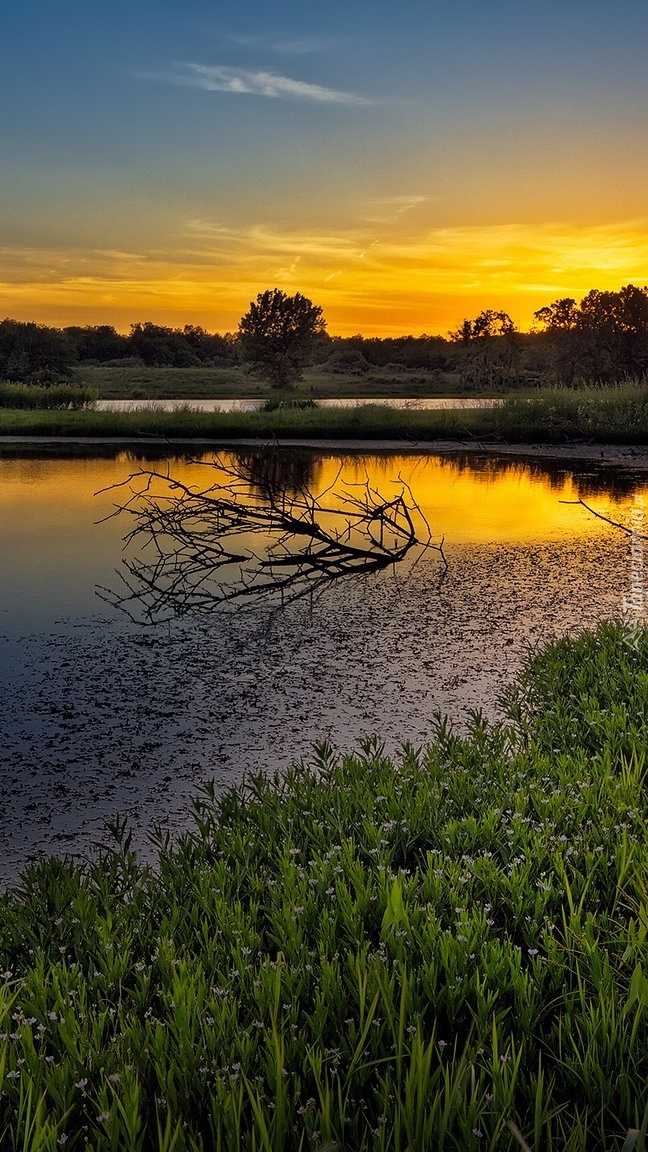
103,717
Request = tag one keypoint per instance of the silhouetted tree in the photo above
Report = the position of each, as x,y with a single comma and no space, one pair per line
97,342
487,325
34,354
561,316
560,344
160,347
277,336
615,327
491,349
210,347
604,338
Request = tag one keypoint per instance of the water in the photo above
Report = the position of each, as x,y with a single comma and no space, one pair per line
102,717
243,405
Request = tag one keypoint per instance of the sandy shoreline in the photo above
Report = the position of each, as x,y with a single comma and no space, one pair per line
611,455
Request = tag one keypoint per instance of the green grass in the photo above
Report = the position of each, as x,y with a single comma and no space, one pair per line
170,383
615,415
367,422
555,416
233,383
441,951
34,396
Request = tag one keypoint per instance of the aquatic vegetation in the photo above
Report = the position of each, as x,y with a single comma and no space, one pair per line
442,951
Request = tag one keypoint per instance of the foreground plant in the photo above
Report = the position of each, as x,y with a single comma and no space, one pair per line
442,951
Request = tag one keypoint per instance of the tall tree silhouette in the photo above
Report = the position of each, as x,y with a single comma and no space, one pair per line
277,335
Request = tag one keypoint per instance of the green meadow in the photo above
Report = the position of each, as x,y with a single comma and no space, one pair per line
614,415
132,383
441,950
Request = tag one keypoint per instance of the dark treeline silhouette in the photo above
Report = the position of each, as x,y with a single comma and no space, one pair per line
491,351
604,338
153,345
362,354
601,340
35,354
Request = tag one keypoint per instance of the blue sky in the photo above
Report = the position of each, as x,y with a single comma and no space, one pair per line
161,160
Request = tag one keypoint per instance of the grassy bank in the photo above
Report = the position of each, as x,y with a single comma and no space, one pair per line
55,396
558,416
234,383
444,951
367,422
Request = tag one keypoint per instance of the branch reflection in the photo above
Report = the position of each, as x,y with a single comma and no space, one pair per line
253,530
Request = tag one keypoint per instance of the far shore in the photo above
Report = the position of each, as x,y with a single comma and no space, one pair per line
580,422
611,455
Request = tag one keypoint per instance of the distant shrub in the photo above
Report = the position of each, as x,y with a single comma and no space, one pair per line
55,396
219,362
347,360
125,362
273,403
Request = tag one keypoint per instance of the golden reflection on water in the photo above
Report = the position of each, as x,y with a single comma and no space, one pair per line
486,503
467,501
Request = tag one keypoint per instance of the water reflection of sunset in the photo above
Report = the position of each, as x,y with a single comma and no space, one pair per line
467,500
485,503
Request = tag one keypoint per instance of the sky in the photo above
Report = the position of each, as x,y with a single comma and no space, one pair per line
404,165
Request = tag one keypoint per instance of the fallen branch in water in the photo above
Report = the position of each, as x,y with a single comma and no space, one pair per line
256,532
599,515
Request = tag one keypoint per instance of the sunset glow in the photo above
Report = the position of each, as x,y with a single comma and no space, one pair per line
464,503
399,173
420,283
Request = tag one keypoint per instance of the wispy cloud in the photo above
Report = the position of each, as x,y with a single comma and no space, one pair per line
387,209
247,82
302,46
261,239
400,204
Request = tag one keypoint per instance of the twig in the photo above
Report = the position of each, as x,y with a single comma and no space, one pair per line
600,516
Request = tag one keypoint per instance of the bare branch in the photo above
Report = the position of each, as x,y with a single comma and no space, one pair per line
600,516
255,531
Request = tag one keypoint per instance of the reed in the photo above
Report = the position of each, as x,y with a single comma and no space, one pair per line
56,396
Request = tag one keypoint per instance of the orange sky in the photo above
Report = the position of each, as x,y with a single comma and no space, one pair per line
409,281
404,166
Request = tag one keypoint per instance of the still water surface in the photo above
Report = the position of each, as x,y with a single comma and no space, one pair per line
101,717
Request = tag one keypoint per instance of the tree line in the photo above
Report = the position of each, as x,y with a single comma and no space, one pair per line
601,339
35,353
